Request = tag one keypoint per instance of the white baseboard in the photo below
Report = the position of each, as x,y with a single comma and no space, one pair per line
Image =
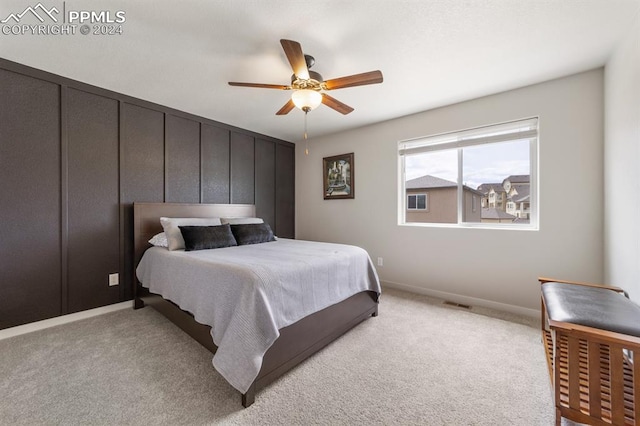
467,300
64,319
473,301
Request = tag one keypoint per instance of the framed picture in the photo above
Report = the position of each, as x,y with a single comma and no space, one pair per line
338,176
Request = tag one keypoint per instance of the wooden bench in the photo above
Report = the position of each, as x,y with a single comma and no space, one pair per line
591,333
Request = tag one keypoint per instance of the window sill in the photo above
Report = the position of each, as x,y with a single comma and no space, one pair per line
504,227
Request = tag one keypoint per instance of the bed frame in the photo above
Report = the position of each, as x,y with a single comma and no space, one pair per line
297,341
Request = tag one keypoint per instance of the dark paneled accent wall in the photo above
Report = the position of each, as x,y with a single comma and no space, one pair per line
182,156
242,169
285,190
265,180
216,168
142,174
142,167
93,248
73,160
30,182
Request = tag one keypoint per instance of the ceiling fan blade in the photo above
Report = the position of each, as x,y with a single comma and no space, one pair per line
286,108
371,77
260,85
293,50
336,104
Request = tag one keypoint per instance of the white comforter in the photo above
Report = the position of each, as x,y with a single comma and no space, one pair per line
247,293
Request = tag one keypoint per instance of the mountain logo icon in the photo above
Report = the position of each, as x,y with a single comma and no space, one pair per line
38,11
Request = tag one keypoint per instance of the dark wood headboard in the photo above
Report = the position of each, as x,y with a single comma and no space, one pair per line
146,219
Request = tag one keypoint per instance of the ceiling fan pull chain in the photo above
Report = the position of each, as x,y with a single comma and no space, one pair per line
306,148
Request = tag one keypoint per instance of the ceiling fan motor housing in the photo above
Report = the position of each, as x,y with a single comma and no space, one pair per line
314,83
310,60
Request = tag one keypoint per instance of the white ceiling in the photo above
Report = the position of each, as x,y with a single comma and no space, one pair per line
431,52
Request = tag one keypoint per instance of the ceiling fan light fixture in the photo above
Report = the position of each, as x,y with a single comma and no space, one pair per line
306,99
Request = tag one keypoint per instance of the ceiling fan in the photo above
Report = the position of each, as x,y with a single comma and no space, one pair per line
308,86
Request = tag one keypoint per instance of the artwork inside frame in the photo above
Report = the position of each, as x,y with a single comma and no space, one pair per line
338,177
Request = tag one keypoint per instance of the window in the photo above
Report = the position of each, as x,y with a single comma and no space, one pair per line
496,164
417,201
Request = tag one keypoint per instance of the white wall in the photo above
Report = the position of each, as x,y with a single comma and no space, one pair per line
622,165
495,265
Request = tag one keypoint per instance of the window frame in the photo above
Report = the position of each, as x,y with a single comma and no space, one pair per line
426,202
443,141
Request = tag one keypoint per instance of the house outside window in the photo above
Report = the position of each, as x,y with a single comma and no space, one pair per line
496,164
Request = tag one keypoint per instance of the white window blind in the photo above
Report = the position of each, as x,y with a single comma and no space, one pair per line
511,131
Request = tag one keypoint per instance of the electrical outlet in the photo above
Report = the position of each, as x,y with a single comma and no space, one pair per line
380,262
114,279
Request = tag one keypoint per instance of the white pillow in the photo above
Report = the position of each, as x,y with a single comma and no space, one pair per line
240,220
159,240
174,236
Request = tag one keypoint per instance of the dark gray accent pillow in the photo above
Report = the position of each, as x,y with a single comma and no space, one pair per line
207,237
253,233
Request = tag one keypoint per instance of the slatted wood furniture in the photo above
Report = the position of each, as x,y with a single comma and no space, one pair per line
591,334
297,341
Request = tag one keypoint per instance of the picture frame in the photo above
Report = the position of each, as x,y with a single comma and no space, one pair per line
338,182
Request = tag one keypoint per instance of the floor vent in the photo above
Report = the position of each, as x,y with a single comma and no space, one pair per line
457,305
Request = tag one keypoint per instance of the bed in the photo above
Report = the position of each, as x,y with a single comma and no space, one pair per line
301,334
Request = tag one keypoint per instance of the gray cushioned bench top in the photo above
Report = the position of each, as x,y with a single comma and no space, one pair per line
591,307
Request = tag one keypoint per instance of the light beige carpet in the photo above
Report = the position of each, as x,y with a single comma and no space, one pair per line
419,362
